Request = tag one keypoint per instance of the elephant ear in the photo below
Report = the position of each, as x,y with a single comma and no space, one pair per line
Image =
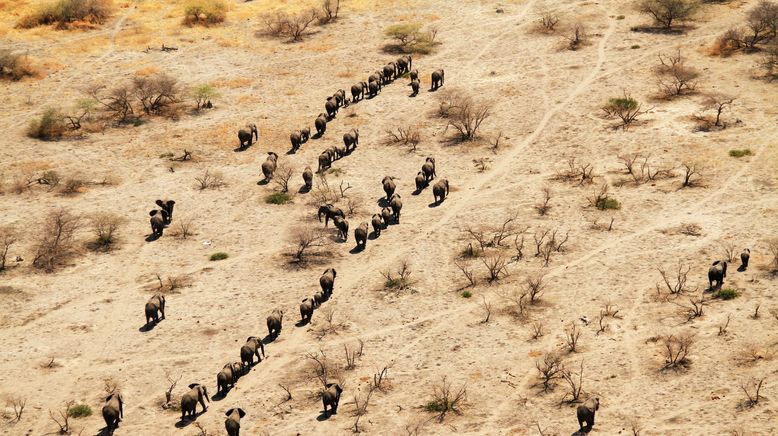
229,412
334,273
241,412
153,212
194,385
339,389
108,398
160,203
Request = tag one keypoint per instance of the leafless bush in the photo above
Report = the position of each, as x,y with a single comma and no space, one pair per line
354,205
534,286
718,103
582,173
304,240
322,369
548,21
282,176
695,310
496,266
723,328
400,279
572,334
692,174
611,310
769,62
209,180
550,368
601,198
156,93
56,240
322,192
752,388
62,417
446,399
667,12
577,37
169,393
518,245
675,282
673,76
575,383
481,164
183,228
487,307
467,272
361,403
494,237
635,427
294,27
690,229
380,378
17,403
8,237
543,207
329,9
537,330
465,114
201,430
676,349
404,135
603,326
105,226
117,102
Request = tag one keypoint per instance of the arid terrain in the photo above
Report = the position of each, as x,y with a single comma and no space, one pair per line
76,332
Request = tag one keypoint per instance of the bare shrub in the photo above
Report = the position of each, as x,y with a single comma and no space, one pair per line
8,237
572,335
15,66
117,102
329,11
676,349
675,282
752,388
481,164
322,192
550,369
467,272
321,367
575,383
667,12
601,198
446,399
282,176
156,93
495,236
761,24
548,21
305,243
404,135
62,417
183,228
772,248
626,108
673,76
695,308
104,226
718,103
543,207
518,302
169,393
580,172
692,174
56,240
577,37
361,402
769,62
496,267
535,286
17,403
400,279
292,26
466,114
209,180
537,330
723,328
487,307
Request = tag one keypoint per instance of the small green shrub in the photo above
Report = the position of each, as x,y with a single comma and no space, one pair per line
435,406
471,251
219,256
202,94
79,411
392,283
409,38
278,198
620,17
740,153
64,13
635,47
49,126
608,204
205,12
467,294
726,294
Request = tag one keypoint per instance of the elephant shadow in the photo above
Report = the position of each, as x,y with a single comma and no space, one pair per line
263,182
323,416
383,202
149,326
302,323
105,431
741,268
357,249
269,339
413,94
372,236
188,420
222,395
291,152
583,432
152,237
240,149
417,192
303,190
434,204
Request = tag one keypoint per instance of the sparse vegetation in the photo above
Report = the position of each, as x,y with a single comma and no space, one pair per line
409,38
626,108
399,280
205,12
209,180
465,114
79,411
55,243
674,77
752,388
15,66
550,369
577,37
304,243
726,294
446,399
409,136
49,126
218,256
65,14
292,26
740,152
667,12
602,200
104,227
278,198
548,21
676,349
203,94
8,237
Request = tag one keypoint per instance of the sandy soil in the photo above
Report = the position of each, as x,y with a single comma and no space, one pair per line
87,316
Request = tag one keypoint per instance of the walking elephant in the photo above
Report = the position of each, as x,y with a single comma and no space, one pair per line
274,322
252,348
269,165
386,214
415,85
378,224
157,221
306,310
429,169
308,179
437,80
327,281
586,411
331,397
232,423
331,106
225,379
197,394
372,89
246,134
744,257
351,140
342,225
717,273
154,307
113,411
321,124
358,91
396,204
296,138
330,212
325,161
389,186
421,182
167,209
360,235
414,74
440,190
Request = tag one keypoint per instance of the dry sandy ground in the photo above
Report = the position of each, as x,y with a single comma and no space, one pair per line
87,316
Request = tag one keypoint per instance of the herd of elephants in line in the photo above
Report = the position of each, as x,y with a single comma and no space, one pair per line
113,410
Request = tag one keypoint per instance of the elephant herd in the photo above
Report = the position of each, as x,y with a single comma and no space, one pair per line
718,270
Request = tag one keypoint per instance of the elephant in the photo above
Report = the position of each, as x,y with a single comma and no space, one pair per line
440,190
252,348
308,178
269,165
342,225
333,152
325,161
306,309
415,85
331,397
296,138
437,79
238,370
157,223
167,209
389,186
232,423
744,257
586,412
396,204
378,224
351,139
716,273
389,73
189,400
327,280
318,299
386,214
429,169
404,64
321,124
305,132
372,89
331,107
358,91
225,379
340,97
154,307
414,74
113,411
274,322
421,182
246,134
330,212
377,77
360,235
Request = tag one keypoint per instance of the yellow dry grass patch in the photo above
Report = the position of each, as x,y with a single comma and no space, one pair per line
31,166
232,83
248,99
90,45
224,42
146,71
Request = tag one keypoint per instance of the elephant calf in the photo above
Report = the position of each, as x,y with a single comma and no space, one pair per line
331,397
306,310
113,411
415,85
437,79
330,212
744,256
327,281
586,412
421,182
378,224
154,307
360,235
197,394
274,322
396,204
232,423
246,135
252,348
